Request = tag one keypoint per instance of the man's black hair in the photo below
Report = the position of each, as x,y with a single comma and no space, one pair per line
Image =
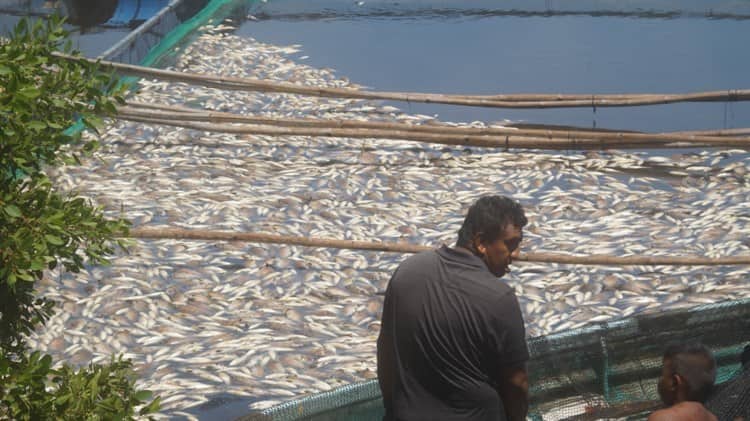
489,216
696,364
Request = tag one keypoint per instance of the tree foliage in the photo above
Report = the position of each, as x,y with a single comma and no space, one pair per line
40,96
40,229
33,390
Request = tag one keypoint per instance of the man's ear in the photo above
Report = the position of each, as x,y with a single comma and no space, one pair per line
478,245
677,382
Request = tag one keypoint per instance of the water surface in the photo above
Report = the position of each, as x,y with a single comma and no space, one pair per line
445,47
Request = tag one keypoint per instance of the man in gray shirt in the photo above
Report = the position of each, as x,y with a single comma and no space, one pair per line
452,343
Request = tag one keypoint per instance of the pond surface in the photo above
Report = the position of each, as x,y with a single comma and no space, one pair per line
506,47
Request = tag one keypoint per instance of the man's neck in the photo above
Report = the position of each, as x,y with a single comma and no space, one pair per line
463,249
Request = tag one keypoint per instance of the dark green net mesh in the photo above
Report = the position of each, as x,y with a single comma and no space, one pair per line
611,370
731,400
604,371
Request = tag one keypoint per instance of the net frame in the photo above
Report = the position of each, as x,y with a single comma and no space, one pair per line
607,370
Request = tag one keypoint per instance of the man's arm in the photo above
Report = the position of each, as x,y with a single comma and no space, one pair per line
385,367
385,355
508,349
513,388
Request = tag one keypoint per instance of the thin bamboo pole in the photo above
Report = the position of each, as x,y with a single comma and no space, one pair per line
209,235
185,114
215,117
491,141
455,140
498,101
745,131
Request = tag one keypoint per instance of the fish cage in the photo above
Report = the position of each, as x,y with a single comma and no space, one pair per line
157,25
162,25
606,370
92,13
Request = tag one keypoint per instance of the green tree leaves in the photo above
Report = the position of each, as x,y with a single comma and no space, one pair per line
12,210
42,94
41,228
34,390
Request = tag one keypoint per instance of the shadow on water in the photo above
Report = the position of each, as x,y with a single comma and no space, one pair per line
90,14
452,14
225,407
95,25
130,13
477,9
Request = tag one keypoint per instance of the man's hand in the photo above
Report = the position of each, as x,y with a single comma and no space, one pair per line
513,389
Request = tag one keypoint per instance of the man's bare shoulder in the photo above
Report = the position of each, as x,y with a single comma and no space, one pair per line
684,411
662,415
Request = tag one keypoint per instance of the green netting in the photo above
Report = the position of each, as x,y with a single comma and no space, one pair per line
606,370
137,44
214,11
612,368
359,401
158,38
731,400
159,35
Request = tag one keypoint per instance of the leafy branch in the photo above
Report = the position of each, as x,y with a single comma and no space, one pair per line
41,229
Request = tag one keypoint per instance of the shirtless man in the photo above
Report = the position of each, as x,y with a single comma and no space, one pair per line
687,377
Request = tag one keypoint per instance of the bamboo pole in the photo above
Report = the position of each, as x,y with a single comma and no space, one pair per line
491,141
251,237
186,114
745,131
737,132
454,140
215,117
209,235
498,101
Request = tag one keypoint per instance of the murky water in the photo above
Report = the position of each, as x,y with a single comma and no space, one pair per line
446,47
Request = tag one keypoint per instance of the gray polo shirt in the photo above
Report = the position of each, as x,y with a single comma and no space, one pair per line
449,327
